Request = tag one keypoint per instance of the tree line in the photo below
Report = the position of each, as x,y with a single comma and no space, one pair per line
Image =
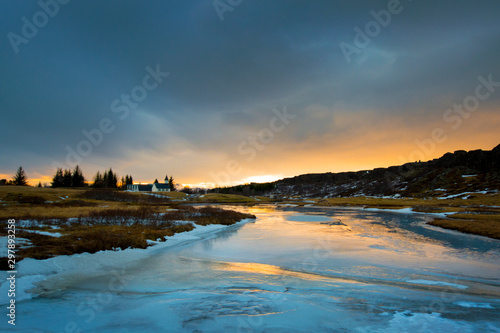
68,178
109,179
75,178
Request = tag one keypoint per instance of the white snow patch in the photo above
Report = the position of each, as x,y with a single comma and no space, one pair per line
461,195
438,283
46,233
199,232
402,210
20,242
474,305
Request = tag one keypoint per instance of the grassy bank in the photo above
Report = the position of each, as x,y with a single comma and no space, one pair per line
473,223
113,229
92,220
224,198
477,214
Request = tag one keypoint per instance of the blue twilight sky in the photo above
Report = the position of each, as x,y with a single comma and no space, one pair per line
255,88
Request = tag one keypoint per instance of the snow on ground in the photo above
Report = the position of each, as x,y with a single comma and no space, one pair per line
31,223
474,305
394,196
401,210
46,233
155,195
407,211
461,195
438,283
20,242
31,271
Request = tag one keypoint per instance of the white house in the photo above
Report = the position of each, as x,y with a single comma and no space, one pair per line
157,187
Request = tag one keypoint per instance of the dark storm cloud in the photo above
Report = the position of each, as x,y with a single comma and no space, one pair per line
227,76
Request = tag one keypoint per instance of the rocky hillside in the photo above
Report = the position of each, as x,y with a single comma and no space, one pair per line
453,173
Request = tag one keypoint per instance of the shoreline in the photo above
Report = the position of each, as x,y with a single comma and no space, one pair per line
42,277
436,221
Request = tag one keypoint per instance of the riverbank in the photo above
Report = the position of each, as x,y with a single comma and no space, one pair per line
473,213
45,223
476,213
34,276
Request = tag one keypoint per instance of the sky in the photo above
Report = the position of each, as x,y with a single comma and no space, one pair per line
226,92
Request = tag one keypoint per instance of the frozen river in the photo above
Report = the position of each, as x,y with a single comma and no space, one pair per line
292,270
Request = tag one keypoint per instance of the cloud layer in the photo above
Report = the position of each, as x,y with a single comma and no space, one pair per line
226,78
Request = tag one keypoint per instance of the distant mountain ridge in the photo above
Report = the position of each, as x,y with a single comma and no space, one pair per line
453,173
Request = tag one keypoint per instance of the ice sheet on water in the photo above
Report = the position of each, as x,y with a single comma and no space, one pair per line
79,266
22,285
408,321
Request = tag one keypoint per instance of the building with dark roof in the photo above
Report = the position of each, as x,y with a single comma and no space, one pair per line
156,187
140,187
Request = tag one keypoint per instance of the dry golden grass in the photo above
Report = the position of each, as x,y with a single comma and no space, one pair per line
224,198
91,234
25,211
173,195
49,194
102,225
488,226
56,203
91,239
485,224
88,239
